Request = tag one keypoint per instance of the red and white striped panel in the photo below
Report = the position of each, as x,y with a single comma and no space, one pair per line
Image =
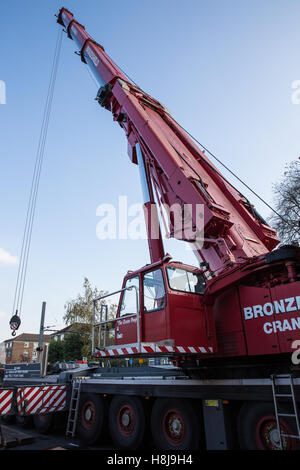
6,396
117,352
194,349
155,348
41,400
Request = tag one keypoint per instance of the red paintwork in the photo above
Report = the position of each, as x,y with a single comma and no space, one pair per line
179,171
184,319
217,320
235,241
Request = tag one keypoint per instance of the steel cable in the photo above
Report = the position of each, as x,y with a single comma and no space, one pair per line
27,235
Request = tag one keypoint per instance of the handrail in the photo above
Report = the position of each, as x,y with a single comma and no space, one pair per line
113,320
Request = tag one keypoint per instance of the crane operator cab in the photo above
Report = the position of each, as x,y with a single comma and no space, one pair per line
161,311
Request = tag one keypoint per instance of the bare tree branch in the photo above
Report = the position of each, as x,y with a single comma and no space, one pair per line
287,204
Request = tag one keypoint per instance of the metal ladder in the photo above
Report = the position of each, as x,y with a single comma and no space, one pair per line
74,406
291,395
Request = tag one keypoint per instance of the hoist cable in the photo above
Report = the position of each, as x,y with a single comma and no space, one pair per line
43,143
23,263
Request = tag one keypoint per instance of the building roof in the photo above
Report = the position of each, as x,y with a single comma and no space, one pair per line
68,328
63,330
29,337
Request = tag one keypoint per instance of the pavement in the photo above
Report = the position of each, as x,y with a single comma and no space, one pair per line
29,439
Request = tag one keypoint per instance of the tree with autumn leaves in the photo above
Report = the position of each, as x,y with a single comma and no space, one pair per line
79,314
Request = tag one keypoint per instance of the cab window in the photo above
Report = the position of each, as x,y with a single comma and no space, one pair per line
186,281
154,291
130,297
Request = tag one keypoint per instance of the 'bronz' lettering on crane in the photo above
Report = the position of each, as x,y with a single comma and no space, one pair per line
278,307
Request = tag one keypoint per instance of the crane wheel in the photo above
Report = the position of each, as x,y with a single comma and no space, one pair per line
127,422
43,423
92,418
257,427
175,424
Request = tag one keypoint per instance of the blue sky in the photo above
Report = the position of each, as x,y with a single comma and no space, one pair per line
224,69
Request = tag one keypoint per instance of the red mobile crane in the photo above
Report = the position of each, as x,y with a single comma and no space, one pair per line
247,303
228,325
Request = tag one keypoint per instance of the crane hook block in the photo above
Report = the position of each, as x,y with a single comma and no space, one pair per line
14,323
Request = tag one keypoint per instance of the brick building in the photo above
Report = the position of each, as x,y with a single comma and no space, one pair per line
76,327
22,348
2,353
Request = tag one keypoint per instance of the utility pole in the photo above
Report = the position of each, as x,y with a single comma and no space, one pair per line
42,350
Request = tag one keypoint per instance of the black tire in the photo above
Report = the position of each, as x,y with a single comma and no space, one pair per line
43,423
175,424
257,427
127,422
24,421
92,418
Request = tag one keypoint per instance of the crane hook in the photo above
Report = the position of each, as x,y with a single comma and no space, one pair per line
15,323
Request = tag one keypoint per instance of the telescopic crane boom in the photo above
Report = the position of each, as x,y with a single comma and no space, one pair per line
174,171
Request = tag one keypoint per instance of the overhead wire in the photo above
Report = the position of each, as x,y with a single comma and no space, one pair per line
231,172
27,235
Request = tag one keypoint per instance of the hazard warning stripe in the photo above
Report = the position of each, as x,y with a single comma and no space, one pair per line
45,399
49,395
154,349
55,399
194,349
26,396
61,403
41,400
5,401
